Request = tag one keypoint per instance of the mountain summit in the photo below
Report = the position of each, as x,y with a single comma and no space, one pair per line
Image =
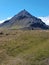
24,13
24,20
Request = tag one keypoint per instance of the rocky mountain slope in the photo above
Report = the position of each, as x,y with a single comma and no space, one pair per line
24,20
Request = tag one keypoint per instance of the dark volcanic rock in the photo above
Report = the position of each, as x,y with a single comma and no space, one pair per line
26,21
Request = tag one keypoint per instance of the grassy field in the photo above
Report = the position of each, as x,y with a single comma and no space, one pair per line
24,47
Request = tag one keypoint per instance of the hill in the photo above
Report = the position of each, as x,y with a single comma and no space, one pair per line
24,47
24,20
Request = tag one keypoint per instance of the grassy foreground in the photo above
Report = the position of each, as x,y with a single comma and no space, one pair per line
24,47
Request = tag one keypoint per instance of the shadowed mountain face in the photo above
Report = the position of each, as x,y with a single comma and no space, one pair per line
24,20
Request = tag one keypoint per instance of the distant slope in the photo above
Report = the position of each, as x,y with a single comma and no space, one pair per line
24,20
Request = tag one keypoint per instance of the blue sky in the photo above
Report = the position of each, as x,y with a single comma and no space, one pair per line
37,8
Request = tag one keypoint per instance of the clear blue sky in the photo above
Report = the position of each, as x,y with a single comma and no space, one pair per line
37,8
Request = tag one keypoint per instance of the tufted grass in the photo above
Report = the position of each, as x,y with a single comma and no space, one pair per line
24,47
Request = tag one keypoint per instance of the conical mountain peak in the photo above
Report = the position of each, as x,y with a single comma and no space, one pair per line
24,20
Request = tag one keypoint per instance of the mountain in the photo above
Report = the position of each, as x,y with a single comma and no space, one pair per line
24,20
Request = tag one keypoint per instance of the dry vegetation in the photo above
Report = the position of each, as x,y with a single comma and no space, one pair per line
24,47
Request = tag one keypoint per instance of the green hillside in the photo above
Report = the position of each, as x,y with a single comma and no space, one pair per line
24,47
